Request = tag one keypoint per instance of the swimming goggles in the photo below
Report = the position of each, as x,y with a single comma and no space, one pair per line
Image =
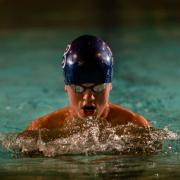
95,88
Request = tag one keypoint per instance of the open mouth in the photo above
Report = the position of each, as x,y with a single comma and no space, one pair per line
89,110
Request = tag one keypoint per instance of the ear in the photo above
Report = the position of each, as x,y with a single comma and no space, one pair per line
65,88
110,86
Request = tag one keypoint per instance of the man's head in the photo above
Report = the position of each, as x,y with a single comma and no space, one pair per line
87,65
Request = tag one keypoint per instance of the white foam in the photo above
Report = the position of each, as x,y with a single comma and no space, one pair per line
90,136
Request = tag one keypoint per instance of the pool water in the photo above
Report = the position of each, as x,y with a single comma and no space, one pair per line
146,80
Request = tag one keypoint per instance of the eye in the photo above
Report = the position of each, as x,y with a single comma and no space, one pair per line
99,87
77,89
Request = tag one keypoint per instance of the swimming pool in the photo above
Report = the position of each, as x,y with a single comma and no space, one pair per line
146,80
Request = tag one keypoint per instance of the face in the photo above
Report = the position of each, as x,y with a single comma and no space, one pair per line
92,101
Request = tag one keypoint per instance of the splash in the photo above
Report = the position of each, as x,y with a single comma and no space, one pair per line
89,136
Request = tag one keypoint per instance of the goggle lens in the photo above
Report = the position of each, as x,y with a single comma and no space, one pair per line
95,88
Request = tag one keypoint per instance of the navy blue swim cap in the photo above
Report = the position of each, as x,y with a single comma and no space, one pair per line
87,59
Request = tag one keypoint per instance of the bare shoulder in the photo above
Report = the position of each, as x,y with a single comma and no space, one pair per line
120,115
50,121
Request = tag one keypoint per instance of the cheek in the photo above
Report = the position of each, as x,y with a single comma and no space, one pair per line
74,99
102,98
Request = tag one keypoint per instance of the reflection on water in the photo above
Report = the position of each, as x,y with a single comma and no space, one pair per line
94,166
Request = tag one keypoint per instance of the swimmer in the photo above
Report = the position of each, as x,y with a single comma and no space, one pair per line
88,67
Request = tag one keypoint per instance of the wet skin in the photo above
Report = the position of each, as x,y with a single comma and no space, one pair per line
89,104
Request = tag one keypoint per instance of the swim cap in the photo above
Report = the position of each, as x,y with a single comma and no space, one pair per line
87,59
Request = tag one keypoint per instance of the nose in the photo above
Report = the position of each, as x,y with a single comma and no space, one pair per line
88,96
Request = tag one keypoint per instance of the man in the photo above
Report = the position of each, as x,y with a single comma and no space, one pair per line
87,65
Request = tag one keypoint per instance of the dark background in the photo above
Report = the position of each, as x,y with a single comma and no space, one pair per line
102,13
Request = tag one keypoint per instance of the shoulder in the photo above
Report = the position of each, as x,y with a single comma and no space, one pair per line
120,115
50,121
140,121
